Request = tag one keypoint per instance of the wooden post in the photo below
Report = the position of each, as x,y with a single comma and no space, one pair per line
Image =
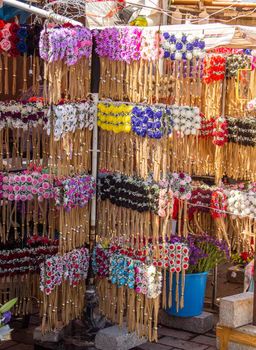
254,292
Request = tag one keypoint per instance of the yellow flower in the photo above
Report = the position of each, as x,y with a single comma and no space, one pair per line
116,129
127,119
108,118
111,108
127,128
99,123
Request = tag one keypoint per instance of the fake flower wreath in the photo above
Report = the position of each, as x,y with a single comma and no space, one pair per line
74,191
153,122
68,117
21,261
187,120
116,118
22,115
181,185
183,46
26,186
242,130
65,44
129,192
72,266
242,202
220,131
119,44
214,68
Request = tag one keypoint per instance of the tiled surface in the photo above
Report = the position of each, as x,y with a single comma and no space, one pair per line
168,339
172,339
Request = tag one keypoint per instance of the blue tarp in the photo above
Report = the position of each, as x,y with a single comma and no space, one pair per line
8,12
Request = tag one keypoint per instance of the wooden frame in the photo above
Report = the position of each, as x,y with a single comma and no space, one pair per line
226,335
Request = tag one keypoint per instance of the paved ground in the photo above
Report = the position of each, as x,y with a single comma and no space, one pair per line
171,339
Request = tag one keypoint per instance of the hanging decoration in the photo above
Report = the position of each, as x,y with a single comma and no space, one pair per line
63,276
132,283
66,52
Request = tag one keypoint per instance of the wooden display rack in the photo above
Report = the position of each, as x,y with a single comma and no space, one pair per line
226,335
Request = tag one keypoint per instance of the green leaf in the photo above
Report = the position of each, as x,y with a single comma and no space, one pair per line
7,306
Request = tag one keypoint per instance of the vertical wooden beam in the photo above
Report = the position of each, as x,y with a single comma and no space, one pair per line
254,293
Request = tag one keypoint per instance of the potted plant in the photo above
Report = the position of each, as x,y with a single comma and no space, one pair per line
204,253
5,318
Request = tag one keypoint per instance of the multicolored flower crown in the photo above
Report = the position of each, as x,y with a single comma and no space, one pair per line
72,267
67,44
24,260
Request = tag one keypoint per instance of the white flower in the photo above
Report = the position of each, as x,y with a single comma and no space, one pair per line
178,36
190,38
178,56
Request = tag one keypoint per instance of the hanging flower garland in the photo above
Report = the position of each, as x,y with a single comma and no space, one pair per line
101,261
67,44
76,264
69,117
72,266
129,192
242,203
26,187
108,43
235,62
242,131
183,46
187,120
200,201
21,261
220,131
207,126
154,122
116,118
218,204
166,200
22,114
151,49
214,68
74,191
181,185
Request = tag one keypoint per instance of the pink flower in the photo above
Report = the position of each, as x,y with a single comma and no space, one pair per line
23,197
5,178
29,197
138,290
40,198
6,34
46,195
161,213
188,196
34,182
23,178
17,197
45,176
29,179
23,188
41,190
5,187
46,185
11,197
16,188
17,178
10,188
34,190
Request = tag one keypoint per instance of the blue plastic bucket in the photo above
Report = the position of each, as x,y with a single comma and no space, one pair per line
194,293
